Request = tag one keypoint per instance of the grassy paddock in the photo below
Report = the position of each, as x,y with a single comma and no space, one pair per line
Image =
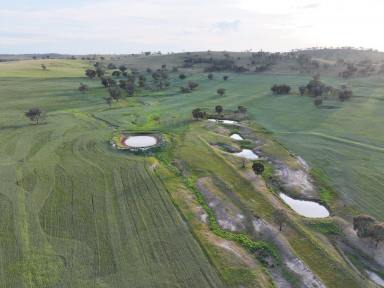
99,218
202,160
74,212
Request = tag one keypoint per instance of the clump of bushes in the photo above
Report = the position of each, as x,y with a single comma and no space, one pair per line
197,114
281,89
344,93
315,87
349,72
319,90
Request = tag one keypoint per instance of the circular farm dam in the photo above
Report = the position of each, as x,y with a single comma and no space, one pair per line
138,142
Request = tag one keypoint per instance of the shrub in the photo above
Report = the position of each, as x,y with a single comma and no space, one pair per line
83,88
192,85
221,91
185,90
280,89
345,94
90,73
198,114
258,168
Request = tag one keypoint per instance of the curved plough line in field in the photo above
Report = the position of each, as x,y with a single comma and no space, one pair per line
337,139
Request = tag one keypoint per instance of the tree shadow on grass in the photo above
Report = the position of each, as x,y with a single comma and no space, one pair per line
18,126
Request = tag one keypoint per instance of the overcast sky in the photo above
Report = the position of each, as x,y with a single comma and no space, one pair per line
125,26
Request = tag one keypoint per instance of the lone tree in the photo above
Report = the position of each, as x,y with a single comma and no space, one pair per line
210,76
90,73
280,218
258,168
242,109
115,93
221,91
123,68
192,85
34,114
225,77
182,76
362,224
219,109
83,88
345,93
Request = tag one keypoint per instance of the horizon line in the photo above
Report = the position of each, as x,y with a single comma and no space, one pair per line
159,52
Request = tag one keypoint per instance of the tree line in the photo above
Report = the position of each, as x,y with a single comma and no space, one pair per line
316,89
199,113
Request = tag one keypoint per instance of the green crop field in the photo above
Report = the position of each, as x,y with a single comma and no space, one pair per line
346,142
77,213
74,213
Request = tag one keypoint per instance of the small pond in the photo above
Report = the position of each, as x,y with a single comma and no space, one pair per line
236,137
223,121
310,209
228,121
247,154
140,141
